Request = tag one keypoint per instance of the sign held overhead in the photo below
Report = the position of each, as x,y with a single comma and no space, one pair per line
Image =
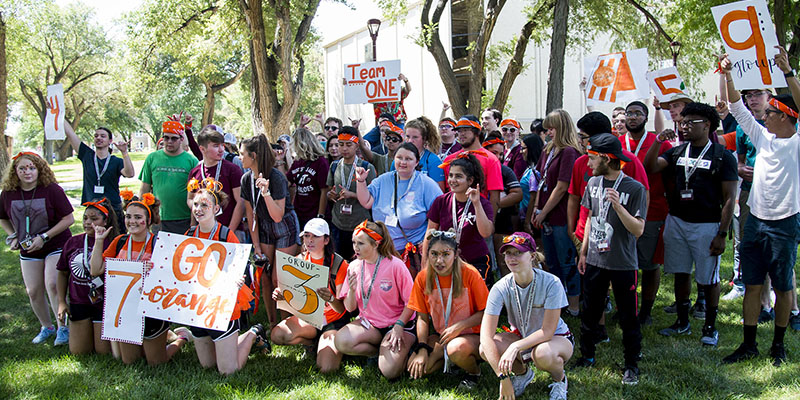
372,82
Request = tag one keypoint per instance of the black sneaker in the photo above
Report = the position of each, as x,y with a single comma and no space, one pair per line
469,382
671,309
262,343
584,362
743,352
676,329
601,338
778,354
630,376
766,316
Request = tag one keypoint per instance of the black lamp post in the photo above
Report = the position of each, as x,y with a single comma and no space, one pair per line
676,49
374,25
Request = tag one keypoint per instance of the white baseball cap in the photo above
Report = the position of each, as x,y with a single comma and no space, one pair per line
316,227
230,138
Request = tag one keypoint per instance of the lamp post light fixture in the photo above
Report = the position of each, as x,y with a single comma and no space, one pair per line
374,25
676,49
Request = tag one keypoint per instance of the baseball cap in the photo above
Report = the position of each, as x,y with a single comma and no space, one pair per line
230,138
316,227
520,241
608,144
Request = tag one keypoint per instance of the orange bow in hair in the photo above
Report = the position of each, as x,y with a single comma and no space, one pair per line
24,153
362,227
98,205
126,194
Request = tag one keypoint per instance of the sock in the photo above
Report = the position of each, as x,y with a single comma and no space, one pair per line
711,316
779,333
647,307
683,312
767,308
701,295
750,334
795,312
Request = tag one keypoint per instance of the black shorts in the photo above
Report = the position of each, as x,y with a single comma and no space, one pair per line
80,312
411,327
233,327
154,328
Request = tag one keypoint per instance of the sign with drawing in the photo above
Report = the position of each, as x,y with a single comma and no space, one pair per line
617,77
665,83
54,116
298,281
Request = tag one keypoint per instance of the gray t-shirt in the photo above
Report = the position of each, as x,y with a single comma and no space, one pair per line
546,292
338,176
621,244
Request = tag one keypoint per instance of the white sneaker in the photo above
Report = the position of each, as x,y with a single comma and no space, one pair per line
735,293
558,390
184,333
521,382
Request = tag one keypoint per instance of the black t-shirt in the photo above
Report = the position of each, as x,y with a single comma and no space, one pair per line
705,183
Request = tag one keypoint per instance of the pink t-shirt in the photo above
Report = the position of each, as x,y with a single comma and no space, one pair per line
390,292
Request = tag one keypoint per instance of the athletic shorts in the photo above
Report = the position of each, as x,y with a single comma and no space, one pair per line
80,312
687,244
216,336
648,244
154,328
39,258
411,327
280,234
769,248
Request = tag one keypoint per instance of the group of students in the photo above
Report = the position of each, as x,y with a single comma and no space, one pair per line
417,225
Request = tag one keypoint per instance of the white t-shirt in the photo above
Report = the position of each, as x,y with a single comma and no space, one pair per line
775,193
548,294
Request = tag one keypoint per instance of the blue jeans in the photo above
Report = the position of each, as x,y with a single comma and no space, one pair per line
560,253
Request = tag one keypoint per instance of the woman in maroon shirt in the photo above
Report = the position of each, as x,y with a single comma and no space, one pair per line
36,215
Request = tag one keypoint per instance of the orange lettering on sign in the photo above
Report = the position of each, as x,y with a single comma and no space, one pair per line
198,263
660,83
754,40
134,278
312,302
55,110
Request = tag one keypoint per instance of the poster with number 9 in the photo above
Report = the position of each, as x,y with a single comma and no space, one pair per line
122,320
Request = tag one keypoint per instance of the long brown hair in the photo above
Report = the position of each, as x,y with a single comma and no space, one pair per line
430,134
566,135
45,178
457,282
264,156
111,218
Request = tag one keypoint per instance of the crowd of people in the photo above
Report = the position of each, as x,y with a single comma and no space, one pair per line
446,245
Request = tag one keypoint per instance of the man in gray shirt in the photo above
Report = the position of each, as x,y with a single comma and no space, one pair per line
617,205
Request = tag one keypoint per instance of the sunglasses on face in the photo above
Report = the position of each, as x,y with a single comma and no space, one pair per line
772,111
690,123
512,130
515,239
331,128
394,139
171,138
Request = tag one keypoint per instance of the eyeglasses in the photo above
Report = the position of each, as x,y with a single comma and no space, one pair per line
690,123
512,130
394,139
331,128
516,239
634,114
171,138
447,234
445,254
754,94
772,111
584,137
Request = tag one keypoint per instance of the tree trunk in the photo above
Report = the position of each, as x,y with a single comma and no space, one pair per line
558,45
208,108
3,96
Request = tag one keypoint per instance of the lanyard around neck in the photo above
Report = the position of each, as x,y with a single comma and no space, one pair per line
604,203
365,295
460,223
638,146
129,244
447,310
688,172
97,167
524,319
216,174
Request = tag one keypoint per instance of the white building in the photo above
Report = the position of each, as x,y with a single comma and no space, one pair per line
528,95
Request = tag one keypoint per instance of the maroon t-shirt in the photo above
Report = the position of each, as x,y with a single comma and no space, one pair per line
309,178
79,277
231,178
472,244
516,161
559,170
45,206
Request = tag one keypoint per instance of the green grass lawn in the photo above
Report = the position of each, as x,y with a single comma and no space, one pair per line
671,368
70,169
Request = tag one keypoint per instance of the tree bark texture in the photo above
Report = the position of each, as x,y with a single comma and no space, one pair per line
558,46
3,96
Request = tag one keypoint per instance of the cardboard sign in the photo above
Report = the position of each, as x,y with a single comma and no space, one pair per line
193,281
299,280
372,82
122,321
618,77
749,38
54,119
665,83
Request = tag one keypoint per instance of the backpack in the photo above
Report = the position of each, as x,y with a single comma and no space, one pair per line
336,263
364,164
124,239
230,156
223,232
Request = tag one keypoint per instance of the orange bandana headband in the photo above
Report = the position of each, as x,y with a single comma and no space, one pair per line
463,154
24,153
783,107
468,123
98,205
362,227
511,122
446,122
173,127
348,137
491,142
594,153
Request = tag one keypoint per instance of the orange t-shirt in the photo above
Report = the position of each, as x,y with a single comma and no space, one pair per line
136,248
472,299
730,141
331,314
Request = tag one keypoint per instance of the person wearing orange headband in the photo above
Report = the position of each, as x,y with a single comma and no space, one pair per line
447,132
84,307
511,129
36,215
769,240
379,287
165,174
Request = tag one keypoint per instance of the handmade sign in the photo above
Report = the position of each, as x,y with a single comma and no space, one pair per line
54,117
665,83
299,280
749,38
122,321
372,82
618,77
193,281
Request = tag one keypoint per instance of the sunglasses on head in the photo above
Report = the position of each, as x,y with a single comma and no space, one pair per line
331,128
447,234
516,239
394,139
512,130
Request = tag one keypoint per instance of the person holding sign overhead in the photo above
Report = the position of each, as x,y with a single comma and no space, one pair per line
225,349
379,287
85,309
293,330
136,245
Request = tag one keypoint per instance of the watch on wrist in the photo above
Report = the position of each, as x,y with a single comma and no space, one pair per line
321,216
44,237
790,73
722,233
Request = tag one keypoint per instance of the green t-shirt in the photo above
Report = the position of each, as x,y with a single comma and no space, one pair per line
168,175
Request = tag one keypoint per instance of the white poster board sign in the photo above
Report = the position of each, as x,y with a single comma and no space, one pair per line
617,77
122,321
193,281
54,116
749,38
665,83
372,82
299,280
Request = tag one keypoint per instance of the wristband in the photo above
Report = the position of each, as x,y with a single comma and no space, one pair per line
189,124
321,216
361,181
421,345
790,74
401,323
722,233
503,376
45,237
658,108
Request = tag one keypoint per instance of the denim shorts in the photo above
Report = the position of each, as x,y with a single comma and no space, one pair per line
769,247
